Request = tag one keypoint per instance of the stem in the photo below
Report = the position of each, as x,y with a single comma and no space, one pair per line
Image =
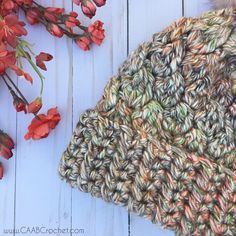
21,49
8,86
16,88
18,91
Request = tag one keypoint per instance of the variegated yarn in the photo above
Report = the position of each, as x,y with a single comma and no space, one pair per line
162,140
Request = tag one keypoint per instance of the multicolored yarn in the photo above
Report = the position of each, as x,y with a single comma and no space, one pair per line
162,140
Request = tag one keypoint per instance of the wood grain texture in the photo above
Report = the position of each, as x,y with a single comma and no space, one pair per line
7,186
32,193
196,7
41,198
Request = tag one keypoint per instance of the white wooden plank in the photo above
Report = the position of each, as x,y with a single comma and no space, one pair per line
92,70
7,184
145,19
196,7
42,199
149,17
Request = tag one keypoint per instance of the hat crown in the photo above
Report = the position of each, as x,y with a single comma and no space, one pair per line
161,141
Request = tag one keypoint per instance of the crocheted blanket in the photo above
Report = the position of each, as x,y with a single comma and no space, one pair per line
161,141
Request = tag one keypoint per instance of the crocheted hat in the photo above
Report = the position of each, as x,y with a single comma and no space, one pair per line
162,140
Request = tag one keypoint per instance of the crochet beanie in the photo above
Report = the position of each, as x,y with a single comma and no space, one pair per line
162,140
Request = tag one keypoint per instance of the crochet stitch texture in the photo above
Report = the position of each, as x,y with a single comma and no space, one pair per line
162,139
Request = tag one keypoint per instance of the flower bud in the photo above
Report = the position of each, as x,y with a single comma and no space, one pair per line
97,32
55,30
35,106
6,145
8,5
100,3
88,8
1,171
71,20
18,103
5,152
33,15
84,43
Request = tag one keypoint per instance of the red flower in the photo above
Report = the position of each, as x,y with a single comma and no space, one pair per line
6,145
42,124
35,106
100,3
41,58
52,14
88,8
25,2
96,32
55,30
71,21
84,43
7,59
11,28
1,171
6,7
18,103
55,10
20,72
77,2
8,4
33,15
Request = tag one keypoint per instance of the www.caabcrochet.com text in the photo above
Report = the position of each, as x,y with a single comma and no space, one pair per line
43,230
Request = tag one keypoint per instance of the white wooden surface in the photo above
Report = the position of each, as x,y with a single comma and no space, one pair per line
31,193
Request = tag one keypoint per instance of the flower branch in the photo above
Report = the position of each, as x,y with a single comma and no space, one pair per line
15,52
